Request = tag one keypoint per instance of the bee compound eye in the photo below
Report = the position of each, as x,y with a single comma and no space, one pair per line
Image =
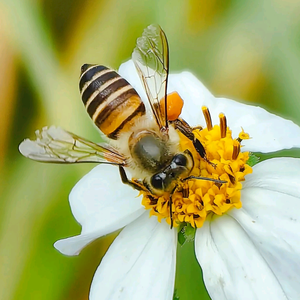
157,181
180,160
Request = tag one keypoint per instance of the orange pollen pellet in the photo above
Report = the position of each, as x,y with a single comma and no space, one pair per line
207,117
174,105
236,150
223,125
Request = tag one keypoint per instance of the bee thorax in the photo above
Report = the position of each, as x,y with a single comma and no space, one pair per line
149,150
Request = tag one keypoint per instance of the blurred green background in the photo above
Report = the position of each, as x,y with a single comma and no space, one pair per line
247,50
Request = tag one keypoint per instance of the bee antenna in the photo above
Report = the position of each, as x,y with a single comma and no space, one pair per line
205,178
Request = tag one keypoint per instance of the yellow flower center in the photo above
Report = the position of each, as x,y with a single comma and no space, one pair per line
194,198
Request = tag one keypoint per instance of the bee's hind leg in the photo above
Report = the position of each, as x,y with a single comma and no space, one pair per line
200,149
197,128
187,130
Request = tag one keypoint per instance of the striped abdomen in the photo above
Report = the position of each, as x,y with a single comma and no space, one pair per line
111,102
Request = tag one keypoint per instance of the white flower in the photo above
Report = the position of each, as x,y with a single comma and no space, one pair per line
248,253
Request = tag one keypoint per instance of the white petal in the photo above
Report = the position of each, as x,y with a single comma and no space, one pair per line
101,204
269,132
277,174
194,94
73,245
140,264
270,216
100,196
232,266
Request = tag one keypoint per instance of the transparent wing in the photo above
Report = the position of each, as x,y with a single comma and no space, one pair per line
56,145
151,58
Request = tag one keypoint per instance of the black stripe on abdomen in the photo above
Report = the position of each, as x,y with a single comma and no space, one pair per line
113,105
88,72
96,84
110,90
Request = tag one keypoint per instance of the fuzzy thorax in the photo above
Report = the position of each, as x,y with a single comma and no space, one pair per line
126,143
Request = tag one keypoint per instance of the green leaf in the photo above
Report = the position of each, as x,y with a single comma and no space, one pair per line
253,160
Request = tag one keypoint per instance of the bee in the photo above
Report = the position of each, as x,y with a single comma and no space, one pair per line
146,144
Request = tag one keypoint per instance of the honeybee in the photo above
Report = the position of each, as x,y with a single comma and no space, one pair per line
145,144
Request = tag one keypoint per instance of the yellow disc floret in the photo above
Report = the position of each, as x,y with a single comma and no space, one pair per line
195,198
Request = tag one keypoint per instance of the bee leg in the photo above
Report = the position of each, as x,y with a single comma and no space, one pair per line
187,130
185,192
217,181
199,148
171,213
170,207
184,128
197,128
131,183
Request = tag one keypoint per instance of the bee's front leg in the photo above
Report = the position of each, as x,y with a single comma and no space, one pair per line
131,183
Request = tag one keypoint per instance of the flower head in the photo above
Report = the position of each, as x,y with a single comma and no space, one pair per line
247,229
197,196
